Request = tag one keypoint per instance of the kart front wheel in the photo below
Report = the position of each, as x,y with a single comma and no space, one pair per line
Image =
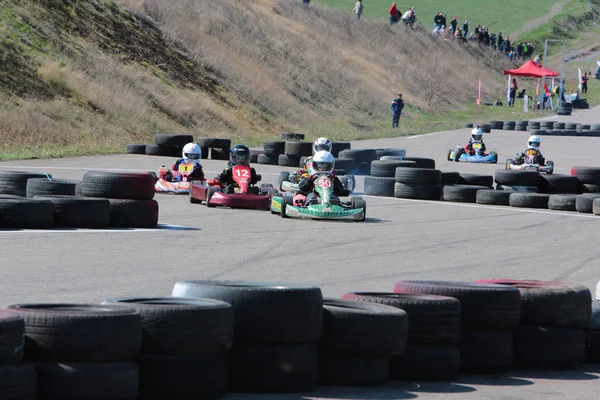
283,207
550,165
449,155
192,199
493,153
209,193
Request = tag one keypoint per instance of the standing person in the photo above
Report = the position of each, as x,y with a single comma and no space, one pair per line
584,81
453,25
513,93
465,28
393,14
396,106
358,9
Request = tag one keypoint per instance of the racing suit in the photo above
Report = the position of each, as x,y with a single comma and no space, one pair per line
196,175
303,173
226,181
469,146
538,158
307,185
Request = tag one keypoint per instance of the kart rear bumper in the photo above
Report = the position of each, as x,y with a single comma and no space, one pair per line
241,200
300,212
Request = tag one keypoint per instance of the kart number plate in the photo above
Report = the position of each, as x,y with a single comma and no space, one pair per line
186,168
242,173
477,146
324,183
184,185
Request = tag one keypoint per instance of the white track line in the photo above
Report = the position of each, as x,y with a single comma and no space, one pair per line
471,205
425,134
159,228
104,169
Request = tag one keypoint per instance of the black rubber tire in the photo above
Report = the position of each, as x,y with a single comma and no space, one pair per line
274,149
592,346
18,382
214,143
559,184
26,213
254,155
363,168
336,147
15,182
562,202
587,174
163,151
493,197
484,306
375,186
135,148
219,154
79,332
173,140
559,125
347,164
264,312
361,329
486,352
183,377
434,320
259,368
352,371
79,212
133,213
584,202
417,191
87,381
390,152
427,163
450,178
176,326
477,180
553,304
118,185
468,125
549,348
529,200
292,136
509,177
286,160
298,149
385,168
359,155
12,332
422,363
44,187
423,176
589,188
267,160
570,125
461,193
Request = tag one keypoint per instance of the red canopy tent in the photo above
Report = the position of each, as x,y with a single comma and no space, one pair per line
530,69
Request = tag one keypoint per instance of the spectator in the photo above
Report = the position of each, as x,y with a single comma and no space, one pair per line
358,9
465,28
443,19
305,1
513,93
436,20
584,81
393,14
453,25
396,106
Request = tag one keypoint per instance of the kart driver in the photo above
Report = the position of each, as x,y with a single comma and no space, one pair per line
533,150
476,137
320,144
323,163
192,153
238,155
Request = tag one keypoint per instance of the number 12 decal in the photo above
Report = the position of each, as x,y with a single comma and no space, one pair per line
243,173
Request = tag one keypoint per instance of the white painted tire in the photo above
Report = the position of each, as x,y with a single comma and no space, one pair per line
598,291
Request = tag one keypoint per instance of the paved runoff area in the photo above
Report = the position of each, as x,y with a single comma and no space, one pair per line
400,240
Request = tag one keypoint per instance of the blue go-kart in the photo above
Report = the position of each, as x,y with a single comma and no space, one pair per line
479,157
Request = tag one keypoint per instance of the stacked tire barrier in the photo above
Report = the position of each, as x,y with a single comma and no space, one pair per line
464,187
359,160
17,380
592,335
276,330
553,318
81,351
185,345
219,148
488,314
589,177
171,145
421,181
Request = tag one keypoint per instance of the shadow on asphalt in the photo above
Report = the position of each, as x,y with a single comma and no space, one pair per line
586,373
493,380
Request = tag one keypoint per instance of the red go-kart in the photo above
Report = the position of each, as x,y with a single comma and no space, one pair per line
246,195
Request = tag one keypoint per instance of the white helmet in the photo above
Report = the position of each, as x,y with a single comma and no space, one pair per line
476,134
534,142
323,162
191,152
321,143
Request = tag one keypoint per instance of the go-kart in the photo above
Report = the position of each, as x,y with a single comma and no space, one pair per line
529,164
288,181
320,204
243,195
180,182
479,157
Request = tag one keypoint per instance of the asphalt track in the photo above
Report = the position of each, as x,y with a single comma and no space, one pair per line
401,239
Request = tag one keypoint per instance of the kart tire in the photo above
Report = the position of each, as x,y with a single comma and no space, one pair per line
363,168
486,352
274,149
285,160
254,156
18,382
376,186
423,176
450,178
118,185
87,381
209,194
551,303
336,147
596,207
273,368
183,376
449,155
589,175
134,148
219,154
352,371
559,125
214,143
427,163
12,332
357,203
483,306
266,159
509,177
592,346
493,197
347,164
547,348
570,125
362,329
359,155
79,212
284,176
133,213
477,180
264,312
461,193
385,168
562,202
292,136
390,152
15,182
468,125
426,363
417,191
559,184
22,213
163,151
529,200
79,332
284,205
434,320
182,327
584,202
165,139
298,149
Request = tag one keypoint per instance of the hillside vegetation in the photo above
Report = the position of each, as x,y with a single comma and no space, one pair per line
87,76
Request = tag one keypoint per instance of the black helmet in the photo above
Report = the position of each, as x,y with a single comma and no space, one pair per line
239,155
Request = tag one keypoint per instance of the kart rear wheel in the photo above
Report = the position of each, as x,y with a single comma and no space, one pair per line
449,155
209,193
358,203
283,177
